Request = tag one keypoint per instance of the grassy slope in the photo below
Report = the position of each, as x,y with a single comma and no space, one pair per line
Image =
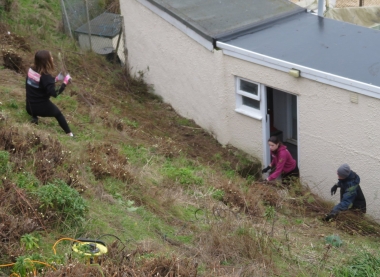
132,151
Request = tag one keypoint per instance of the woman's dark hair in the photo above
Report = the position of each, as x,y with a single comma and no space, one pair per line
275,140
43,63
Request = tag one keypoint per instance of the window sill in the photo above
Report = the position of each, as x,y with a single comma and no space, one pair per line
250,112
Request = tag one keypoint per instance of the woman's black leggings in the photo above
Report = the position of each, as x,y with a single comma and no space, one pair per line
47,109
290,176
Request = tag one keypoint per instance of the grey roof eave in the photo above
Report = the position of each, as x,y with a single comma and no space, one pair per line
325,50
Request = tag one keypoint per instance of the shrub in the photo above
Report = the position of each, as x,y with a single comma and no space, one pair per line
4,157
30,241
63,200
33,265
218,194
363,265
183,175
26,180
26,264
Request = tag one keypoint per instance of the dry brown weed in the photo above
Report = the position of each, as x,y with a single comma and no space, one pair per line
105,161
18,216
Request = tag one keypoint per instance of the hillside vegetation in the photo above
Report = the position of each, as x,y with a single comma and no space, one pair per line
162,195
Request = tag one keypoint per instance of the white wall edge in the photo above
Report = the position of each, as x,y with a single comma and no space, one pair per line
306,72
179,25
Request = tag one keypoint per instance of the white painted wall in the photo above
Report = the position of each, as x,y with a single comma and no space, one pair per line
188,76
200,84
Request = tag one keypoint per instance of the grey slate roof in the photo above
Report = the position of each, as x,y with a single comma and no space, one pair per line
319,43
105,25
214,19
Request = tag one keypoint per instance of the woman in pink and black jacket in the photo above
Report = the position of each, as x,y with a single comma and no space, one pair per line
283,165
40,86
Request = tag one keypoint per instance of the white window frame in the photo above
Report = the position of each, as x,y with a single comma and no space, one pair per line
247,110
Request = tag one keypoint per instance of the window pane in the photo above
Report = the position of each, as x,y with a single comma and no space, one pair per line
248,87
251,103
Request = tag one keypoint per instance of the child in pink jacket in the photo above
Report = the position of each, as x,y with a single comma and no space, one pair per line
283,165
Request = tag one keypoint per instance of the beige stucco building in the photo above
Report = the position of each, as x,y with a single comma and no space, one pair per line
238,81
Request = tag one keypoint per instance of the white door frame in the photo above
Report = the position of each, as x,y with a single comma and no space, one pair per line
266,124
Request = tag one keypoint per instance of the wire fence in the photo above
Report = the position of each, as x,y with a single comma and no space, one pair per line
356,3
337,3
95,27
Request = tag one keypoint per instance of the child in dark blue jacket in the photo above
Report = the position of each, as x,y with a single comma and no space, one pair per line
351,195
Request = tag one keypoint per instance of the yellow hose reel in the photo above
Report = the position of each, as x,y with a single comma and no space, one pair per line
90,248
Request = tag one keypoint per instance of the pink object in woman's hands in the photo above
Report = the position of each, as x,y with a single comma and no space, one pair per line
67,79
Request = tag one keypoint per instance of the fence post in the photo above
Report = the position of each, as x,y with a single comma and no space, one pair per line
67,18
89,25
118,41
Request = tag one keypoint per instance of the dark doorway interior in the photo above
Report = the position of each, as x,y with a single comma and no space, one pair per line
270,111
292,149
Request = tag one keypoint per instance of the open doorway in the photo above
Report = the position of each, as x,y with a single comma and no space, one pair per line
282,120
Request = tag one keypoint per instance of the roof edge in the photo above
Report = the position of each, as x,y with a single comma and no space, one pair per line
230,34
306,72
253,27
175,16
193,33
